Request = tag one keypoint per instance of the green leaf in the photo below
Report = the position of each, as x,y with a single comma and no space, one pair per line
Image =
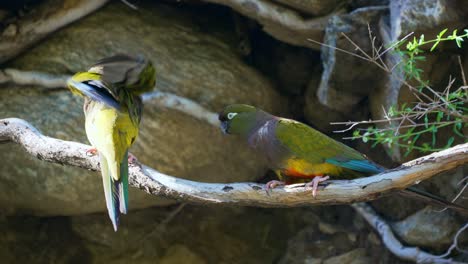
426,121
459,41
457,130
421,39
420,58
425,147
440,115
442,33
365,137
356,134
435,45
450,142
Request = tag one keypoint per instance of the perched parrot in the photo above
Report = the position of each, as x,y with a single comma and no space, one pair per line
299,153
112,105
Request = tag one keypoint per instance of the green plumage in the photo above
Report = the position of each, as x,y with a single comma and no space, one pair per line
113,107
320,154
298,153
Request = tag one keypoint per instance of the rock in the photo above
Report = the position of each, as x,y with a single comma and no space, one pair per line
24,238
290,67
179,253
200,233
314,7
194,58
347,80
428,228
429,16
311,245
363,3
356,256
314,110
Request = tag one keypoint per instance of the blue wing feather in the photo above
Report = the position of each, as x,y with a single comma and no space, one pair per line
365,166
96,91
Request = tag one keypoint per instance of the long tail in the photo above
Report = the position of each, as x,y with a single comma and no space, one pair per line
433,199
123,184
115,191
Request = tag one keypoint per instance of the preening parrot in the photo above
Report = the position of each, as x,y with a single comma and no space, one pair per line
299,153
112,105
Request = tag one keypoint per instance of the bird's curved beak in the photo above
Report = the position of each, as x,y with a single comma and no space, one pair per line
224,127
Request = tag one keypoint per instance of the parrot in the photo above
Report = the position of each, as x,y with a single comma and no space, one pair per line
112,89
298,153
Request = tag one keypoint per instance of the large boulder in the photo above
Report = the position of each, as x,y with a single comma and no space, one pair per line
428,228
194,58
346,80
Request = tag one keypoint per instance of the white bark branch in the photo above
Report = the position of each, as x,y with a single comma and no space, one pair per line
183,105
48,17
392,243
252,194
33,78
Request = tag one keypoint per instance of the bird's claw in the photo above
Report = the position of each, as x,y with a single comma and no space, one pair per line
315,182
131,159
91,152
272,184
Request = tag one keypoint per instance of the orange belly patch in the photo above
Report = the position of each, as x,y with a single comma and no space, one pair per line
298,174
299,168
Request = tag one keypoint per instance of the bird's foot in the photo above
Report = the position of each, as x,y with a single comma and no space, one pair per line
131,159
273,184
315,182
91,152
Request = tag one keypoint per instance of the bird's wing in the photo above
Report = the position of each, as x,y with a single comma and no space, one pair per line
90,85
311,145
119,68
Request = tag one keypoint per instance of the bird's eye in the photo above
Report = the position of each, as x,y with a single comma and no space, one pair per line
231,115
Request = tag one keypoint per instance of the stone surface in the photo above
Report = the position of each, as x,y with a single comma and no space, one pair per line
428,228
347,80
205,234
290,67
320,239
194,59
315,7
356,256
179,253
429,16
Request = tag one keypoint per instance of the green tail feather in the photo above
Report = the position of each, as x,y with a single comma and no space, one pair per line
123,184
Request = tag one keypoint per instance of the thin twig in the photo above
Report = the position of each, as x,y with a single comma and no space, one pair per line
462,71
339,49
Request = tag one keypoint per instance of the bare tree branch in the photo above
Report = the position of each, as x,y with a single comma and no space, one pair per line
183,105
251,194
48,17
33,78
391,242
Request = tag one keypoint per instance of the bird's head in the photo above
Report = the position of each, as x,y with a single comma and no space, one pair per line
238,119
147,79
